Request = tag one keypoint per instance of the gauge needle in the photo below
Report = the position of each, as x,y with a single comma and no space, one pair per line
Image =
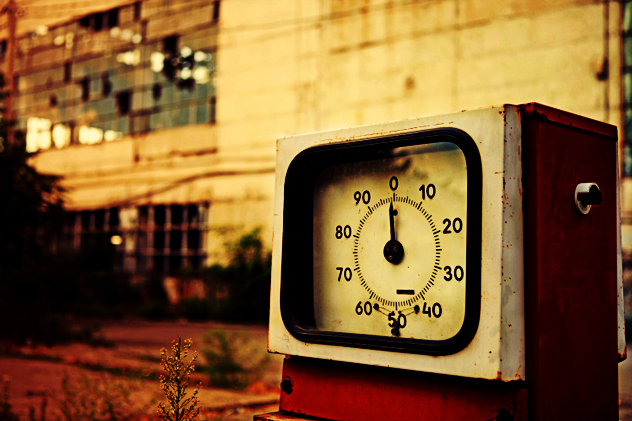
391,219
393,250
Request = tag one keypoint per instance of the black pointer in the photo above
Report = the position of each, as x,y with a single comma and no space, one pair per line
393,250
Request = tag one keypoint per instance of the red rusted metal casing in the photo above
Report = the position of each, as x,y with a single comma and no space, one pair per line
570,267
570,263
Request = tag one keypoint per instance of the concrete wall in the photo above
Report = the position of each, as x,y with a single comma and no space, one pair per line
286,67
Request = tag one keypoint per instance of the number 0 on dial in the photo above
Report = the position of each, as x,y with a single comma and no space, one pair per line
381,243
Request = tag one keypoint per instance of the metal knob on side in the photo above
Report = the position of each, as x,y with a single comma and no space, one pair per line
586,195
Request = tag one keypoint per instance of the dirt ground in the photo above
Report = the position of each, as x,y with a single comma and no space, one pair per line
36,377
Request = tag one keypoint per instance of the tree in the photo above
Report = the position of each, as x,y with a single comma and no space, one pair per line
31,210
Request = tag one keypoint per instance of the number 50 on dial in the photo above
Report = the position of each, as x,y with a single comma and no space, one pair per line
381,243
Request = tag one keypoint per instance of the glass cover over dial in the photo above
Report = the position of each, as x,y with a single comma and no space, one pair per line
390,237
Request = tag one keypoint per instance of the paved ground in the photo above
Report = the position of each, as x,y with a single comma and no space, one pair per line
36,384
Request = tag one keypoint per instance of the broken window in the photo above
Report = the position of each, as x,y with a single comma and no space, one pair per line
166,238
124,102
137,11
113,18
3,48
67,72
216,10
85,88
106,85
96,233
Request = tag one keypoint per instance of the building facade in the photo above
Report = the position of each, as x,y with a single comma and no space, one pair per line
162,115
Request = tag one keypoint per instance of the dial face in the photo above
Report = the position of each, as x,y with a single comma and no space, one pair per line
390,244
393,233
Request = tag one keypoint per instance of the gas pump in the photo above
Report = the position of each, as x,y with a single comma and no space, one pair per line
464,266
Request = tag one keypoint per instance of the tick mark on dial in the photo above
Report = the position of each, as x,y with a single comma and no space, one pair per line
406,291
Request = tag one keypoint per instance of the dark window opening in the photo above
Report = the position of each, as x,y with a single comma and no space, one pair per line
113,18
106,85
124,102
85,88
69,219
97,21
175,241
175,263
3,48
85,219
159,263
160,215
137,11
186,84
193,214
53,100
16,83
99,218
67,72
216,10
195,262
143,215
156,91
193,239
170,45
212,110
159,240
176,214
93,21
84,22
114,218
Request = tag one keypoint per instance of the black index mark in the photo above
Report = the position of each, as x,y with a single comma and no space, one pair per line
406,291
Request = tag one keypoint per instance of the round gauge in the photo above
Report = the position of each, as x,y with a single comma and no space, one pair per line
381,243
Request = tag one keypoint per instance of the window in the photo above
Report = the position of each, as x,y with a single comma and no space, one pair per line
67,72
3,48
137,11
93,21
213,105
165,238
85,88
160,238
216,10
106,85
156,91
124,102
97,232
113,18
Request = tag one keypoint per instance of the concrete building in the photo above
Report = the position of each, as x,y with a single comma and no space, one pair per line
162,115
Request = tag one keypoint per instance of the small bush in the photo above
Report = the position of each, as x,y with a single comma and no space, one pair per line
240,291
98,398
224,353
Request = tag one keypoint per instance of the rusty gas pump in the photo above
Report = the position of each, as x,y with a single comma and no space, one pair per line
464,266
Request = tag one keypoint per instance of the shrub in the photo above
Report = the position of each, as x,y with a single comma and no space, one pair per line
98,398
240,291
176,382
223,354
